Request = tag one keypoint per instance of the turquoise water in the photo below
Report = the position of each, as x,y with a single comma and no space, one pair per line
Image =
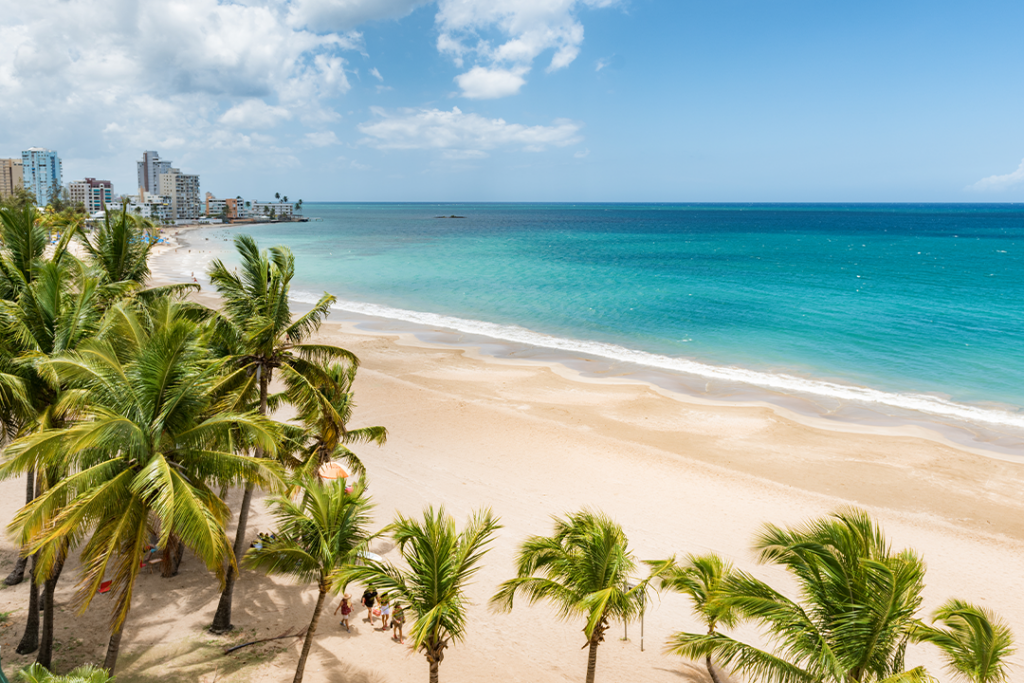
875,304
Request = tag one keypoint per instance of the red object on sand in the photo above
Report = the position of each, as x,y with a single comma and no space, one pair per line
105,587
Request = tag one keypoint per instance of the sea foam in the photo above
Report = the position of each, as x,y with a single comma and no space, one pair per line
790,384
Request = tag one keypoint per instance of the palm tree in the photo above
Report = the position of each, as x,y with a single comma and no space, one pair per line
120,248
975,642
315,537
702,578
150,441
859,601
257,335
277,195
584,569
441,563
324,403
37,673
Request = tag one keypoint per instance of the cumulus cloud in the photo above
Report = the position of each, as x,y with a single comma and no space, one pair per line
324,138
483,84
522,29
183,73
995,183
461,135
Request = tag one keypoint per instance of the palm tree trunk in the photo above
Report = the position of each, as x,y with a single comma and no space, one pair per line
113,649
592,660
434,671
711,670
17,575
30,640
171,557
309,636
222,619
45,655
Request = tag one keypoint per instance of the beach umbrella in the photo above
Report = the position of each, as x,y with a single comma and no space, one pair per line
367,555
333,470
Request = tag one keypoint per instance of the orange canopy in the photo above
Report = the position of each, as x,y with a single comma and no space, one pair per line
333,470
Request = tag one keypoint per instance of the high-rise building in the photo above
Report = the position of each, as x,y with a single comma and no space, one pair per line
42,173
183,191
93,194
10,177
150,170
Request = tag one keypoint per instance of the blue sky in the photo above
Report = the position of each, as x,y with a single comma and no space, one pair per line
527,100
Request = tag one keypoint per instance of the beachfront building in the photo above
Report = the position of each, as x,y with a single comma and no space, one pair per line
10,177
154,207
150,169
274,210
42,173
183,191
93,194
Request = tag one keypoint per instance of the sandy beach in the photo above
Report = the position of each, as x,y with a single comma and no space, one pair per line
530,441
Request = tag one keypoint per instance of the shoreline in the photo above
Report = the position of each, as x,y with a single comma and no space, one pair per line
846,416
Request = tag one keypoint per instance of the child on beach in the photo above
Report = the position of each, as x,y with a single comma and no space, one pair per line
369,598
397,620
346,609
385,612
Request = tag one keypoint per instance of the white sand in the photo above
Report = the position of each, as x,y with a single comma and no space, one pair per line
468,432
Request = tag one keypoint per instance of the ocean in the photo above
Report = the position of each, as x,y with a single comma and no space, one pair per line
887,314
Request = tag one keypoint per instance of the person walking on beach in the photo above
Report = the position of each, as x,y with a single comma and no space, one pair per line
346,609
369,598
397,620
385,613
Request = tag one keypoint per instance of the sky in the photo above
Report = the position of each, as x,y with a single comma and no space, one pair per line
527,100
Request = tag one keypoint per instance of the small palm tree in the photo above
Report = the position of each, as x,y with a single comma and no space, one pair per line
441,563
315,537
37,673
257,335
857,614
702,578
975,642
584,569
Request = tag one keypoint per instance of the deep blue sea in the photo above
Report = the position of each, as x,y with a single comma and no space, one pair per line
876,310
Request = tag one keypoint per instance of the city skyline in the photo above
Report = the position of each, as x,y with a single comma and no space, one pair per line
568,100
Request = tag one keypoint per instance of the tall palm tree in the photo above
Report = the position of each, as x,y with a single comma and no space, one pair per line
856,615
702,578
315,537
441,563
975,642
149,442
258,335
324,402
584,569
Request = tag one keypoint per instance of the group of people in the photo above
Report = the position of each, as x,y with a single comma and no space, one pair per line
262,539
392,614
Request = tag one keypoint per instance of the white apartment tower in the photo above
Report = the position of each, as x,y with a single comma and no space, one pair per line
42,173
150,170
183,191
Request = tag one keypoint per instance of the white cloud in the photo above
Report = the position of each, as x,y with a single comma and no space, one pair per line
995,183
462,154
344,15
482,84
601,63
254,114
376,74
582,154
173,75
524,30
324,138
461,135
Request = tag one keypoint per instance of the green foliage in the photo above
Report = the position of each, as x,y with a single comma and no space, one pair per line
119,247
854,618
37,673
702,578
975,643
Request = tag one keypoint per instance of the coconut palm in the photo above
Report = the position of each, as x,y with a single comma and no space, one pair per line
584,569
855,615
441,563
316,535
975,642
702,578
258,336
37,673
324,402
149,443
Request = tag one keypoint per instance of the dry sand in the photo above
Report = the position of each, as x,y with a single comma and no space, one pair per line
531,442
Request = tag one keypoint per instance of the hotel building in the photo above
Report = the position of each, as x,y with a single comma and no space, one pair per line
10,177
93,194
42,173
